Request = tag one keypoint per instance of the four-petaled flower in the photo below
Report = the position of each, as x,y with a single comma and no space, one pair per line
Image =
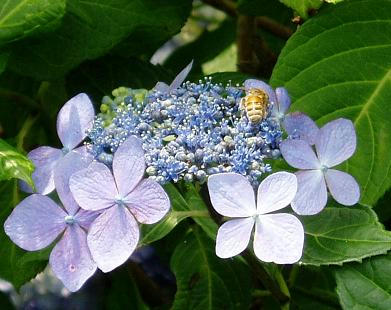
278,237
123,196
37,221
73,120
295,124
335,143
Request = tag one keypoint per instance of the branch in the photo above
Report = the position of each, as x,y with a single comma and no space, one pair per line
246,62
264,22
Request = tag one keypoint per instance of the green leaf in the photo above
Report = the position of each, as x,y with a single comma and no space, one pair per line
338,235
14,165
205,281
366,285
302,7
123,292
314,288
3,61
92,28
349,77
16,265
196,203
22,18
178,212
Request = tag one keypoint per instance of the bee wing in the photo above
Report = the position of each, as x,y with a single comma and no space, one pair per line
252,83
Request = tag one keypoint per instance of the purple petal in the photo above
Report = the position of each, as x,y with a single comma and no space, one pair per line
74,118
283,100
128,165
148,202
177,82
71,163
301,125
343,187
113,237
86,218
233,237
311,195
299,154
278,238
71,260
276,192
35,222
45,159
93,188
252,83
336,142
231,195
162,87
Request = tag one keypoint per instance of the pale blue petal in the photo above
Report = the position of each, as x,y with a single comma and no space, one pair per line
299,154
94,188
148,202
336,142
278,238
231,195
113,237
71,163
74,118
71,259
301,125
45,159
35,222
343,187
128,165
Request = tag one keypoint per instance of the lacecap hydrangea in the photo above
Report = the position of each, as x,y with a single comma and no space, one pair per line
195,132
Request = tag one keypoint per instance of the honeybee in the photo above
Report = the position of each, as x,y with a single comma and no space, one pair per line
255,105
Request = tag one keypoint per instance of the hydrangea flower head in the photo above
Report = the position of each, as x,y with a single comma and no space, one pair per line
278,237
37,221
73,120
335,143
123,197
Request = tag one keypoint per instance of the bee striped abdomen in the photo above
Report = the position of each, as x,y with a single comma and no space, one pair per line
255,104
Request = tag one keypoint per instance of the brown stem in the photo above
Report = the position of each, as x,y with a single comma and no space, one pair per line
264,22
272,26
246,62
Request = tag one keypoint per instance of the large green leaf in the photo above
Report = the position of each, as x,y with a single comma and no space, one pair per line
313,288
205,281
91,28
14,165
22,18
338,64
123,292
338,235
16,265
366,285
3,61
